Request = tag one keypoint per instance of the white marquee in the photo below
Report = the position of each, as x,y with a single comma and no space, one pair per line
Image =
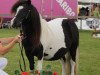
89,1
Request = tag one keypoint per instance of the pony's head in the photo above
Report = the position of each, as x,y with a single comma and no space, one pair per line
21,10
27,17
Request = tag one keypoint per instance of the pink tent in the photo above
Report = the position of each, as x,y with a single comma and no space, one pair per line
48,8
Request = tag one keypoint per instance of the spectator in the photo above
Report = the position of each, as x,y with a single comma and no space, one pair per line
10,42
87,11
1,21
96,12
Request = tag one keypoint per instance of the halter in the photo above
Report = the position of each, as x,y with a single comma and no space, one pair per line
21,29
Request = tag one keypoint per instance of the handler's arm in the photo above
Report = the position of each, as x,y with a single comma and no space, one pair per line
11,43
6,40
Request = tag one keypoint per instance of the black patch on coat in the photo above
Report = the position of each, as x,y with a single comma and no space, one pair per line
28,50
38,52
45,54
64,58
71,36
60,53
30,53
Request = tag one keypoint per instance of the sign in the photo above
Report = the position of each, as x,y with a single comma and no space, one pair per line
56,8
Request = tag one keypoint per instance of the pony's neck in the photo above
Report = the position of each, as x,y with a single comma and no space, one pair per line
45,30
27,28
32,29
44,27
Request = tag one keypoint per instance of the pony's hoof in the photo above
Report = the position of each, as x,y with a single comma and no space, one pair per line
31,72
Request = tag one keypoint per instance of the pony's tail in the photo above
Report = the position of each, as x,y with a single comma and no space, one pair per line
72,40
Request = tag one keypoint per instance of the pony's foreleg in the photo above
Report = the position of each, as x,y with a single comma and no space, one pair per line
39,65
30,59
40,60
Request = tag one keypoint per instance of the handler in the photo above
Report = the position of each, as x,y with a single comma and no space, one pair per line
9,43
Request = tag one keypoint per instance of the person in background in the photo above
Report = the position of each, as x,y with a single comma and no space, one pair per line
5,46
87,11
96,12
1,21
99,9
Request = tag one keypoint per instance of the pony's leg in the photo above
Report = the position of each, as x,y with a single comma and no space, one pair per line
63,62
30,59
74,65
39,65
40,60
31,62
68,65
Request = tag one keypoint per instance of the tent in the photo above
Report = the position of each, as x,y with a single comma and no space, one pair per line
89,1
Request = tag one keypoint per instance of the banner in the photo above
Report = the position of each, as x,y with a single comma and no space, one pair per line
47,8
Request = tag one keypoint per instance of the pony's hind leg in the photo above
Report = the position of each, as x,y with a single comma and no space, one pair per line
66,67
74,65
63,62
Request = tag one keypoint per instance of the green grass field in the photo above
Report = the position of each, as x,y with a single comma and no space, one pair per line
89,54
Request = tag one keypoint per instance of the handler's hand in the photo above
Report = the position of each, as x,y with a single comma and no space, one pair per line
18,39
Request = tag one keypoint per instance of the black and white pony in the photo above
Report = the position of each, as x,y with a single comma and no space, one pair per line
44,40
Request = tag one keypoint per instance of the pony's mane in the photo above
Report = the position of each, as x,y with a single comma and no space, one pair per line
16,5
35,25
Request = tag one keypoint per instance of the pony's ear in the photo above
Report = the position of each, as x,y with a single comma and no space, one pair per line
29,1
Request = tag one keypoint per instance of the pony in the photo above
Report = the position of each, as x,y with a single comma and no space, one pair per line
45,40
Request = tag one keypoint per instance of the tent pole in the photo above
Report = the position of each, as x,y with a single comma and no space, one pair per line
81,24
42,7
90,8
51,9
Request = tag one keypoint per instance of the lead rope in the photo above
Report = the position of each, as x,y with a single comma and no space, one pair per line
21,54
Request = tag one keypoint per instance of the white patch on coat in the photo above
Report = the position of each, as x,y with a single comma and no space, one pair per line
39,65
52,36
18,9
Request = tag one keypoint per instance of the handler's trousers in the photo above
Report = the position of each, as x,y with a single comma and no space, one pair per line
3,64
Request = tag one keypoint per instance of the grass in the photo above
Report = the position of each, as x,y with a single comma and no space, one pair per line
89,51
89,54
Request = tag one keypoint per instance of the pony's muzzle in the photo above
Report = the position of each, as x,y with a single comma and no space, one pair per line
16,24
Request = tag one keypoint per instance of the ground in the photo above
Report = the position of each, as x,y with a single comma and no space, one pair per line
89,54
